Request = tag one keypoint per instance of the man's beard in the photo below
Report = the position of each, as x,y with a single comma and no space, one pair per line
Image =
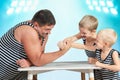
44,35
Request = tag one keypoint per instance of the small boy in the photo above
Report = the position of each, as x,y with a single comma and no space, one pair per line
106,57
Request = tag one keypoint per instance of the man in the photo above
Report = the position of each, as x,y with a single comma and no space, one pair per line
27,40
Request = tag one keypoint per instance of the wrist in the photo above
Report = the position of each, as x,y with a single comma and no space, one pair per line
30,63
62,51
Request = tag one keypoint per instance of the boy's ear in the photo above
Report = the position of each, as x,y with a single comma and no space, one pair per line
93,31
106,44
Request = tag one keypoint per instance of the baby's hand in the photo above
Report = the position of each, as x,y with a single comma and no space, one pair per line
98,64
23,63
69,39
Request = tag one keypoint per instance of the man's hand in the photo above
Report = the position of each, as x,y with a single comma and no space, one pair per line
23,63
61,45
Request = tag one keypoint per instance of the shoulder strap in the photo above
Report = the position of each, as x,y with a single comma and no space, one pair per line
113,51
26,23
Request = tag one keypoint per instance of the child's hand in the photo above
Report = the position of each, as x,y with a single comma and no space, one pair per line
92,60
23,63
98,64
69,40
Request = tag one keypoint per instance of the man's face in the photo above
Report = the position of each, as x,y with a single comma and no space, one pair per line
45,30
85,33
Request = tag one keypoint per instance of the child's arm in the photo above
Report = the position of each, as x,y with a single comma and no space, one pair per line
115,67
24,63
72,38
82,46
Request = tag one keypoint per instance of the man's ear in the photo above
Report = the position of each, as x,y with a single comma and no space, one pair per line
36,25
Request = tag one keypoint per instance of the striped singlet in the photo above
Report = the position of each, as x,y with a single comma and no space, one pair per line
10,51
88,52
105,74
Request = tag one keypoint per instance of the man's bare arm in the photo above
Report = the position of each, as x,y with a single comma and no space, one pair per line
33,49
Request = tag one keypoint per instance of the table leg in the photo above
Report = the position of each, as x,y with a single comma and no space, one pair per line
82,76
91,75
30,76
35,77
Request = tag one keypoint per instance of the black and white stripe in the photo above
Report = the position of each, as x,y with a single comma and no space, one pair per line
10,51
88,52
105,74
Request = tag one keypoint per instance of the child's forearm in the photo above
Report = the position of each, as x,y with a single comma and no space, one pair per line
75,37
72,38
82,46
78,36
78,46
110,67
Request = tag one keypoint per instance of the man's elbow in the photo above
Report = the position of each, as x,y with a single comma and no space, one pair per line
38,63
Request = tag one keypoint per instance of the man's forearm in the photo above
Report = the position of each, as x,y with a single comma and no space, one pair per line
49,57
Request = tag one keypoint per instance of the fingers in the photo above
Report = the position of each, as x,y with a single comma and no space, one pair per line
22,63
61,44
66,41
69,39
67,45
18,62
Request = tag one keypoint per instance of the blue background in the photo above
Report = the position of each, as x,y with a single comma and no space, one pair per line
67,13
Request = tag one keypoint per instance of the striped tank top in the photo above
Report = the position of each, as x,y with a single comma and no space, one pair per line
88,52
10,51
105,74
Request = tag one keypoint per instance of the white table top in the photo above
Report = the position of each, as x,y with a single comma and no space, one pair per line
73,65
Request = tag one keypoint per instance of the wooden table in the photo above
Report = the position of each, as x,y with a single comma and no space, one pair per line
78,66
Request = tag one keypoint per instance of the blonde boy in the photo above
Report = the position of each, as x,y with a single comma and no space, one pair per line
87,28
106,57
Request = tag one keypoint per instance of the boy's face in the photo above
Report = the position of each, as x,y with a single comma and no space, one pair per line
85,33
99,42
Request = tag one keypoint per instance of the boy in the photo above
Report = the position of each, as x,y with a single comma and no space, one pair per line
87,27
107,58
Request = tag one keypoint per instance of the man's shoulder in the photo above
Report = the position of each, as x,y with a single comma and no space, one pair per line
28,30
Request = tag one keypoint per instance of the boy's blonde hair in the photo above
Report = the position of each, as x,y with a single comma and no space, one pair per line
108,35
89,22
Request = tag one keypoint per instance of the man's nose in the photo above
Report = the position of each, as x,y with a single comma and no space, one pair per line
49,32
